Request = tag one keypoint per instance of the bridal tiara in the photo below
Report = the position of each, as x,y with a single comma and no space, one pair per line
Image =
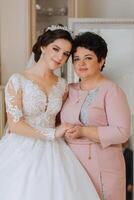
56,27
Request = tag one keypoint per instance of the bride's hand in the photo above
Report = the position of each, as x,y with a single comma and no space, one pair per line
60,130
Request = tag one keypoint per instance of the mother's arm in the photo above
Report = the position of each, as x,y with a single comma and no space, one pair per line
119,121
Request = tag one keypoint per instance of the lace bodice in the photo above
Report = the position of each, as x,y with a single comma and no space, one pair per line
25,99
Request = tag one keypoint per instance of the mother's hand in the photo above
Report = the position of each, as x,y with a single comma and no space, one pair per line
74,132
62,129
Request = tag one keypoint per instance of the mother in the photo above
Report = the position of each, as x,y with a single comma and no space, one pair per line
100,113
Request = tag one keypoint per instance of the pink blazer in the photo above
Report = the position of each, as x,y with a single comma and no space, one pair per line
110,113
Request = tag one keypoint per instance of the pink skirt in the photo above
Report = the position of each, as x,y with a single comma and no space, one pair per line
108,185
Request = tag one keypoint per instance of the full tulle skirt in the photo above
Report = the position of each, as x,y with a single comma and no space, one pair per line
41,170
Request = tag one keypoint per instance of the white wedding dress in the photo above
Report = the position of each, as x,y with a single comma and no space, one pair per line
32,169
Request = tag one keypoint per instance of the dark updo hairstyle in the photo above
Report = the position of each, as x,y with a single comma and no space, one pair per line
48,37
92,42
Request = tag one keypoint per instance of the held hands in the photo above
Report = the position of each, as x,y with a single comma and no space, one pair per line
70,131
75,132
78,131
61,130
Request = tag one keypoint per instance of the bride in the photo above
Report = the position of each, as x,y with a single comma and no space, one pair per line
35,162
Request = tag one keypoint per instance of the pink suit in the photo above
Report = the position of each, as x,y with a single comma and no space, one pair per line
110,113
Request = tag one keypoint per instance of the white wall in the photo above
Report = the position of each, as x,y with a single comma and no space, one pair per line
14,36
103,8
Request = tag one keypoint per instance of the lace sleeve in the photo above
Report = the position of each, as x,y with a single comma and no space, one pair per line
13,98
49,133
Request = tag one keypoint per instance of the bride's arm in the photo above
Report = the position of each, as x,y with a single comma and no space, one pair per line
22,128
16,120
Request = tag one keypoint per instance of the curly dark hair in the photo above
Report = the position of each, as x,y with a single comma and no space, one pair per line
93,42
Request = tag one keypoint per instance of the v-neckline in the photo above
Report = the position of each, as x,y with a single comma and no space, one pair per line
40,88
